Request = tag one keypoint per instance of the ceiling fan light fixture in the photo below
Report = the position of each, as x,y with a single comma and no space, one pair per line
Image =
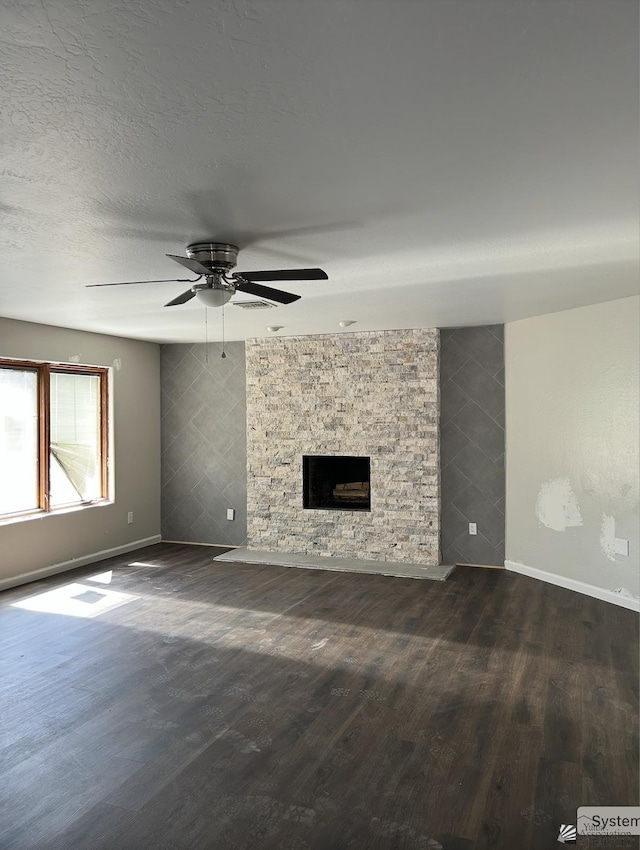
214,297
213,261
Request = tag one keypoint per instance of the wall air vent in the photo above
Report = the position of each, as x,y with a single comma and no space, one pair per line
253,305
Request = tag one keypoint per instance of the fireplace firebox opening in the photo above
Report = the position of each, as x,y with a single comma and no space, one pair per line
336,483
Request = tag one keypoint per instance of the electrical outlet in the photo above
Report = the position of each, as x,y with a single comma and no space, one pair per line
231,514
130,518
473,528
621,547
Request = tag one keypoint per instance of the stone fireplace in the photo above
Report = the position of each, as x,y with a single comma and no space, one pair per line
367,396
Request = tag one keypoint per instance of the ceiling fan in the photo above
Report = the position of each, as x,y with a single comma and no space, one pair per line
213,261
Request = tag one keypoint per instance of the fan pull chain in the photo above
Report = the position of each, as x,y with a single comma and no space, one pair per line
223,354
206,334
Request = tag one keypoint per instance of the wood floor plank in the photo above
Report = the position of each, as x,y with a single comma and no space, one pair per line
248,707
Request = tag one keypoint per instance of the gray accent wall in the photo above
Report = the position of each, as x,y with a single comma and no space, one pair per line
204,448
472,444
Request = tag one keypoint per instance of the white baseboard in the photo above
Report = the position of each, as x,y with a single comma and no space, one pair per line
82,561
629,602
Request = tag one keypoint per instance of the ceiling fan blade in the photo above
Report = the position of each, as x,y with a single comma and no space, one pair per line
192,265
182,299
266,292
284,274
132,282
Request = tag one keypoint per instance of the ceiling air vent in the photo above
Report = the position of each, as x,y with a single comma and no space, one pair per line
253,305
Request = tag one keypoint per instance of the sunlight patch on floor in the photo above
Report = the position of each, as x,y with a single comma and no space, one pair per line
102,578
75,600
144,564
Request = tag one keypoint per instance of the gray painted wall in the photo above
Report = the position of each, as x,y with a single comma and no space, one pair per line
472,444
204,448
35,545
572,443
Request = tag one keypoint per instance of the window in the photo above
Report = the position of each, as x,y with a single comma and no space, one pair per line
53,436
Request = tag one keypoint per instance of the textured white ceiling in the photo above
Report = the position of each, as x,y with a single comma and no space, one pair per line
446,162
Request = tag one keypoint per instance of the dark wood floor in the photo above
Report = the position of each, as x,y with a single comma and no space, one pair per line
233,706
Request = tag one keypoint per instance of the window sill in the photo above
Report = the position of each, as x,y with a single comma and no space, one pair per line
69,509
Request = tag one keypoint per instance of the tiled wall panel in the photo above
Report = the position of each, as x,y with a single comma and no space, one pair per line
204,460
472,444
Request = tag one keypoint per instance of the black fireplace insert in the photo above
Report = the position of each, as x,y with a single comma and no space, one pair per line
336,483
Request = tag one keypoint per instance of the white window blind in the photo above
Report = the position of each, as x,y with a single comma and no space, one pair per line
18,441
75,468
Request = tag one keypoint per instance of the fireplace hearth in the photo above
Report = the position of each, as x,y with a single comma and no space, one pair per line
336,483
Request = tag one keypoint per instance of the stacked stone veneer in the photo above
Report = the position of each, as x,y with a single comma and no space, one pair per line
372,394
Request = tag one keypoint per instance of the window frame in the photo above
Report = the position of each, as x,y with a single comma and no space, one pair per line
43,370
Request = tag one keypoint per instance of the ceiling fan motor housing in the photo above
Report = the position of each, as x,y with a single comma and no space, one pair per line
218,256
